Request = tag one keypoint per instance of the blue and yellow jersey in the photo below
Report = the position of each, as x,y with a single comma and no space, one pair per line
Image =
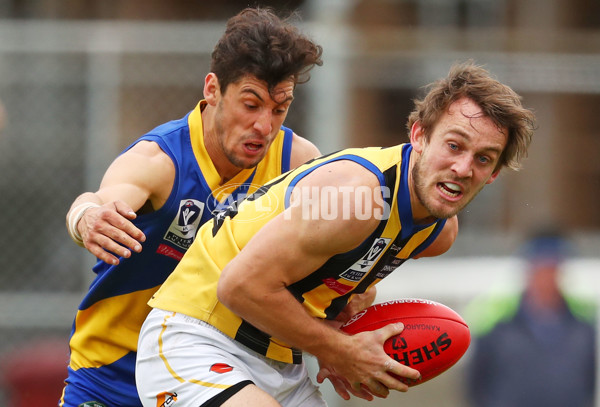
192,288
105,331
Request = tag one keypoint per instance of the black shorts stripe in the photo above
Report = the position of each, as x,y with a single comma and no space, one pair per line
226,394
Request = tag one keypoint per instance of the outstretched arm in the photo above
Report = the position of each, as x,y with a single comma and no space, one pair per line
100,221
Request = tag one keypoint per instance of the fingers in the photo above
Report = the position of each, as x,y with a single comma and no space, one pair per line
337,383
125,210
376,388
342,387
365,370
360,390
107,232
394,374
391,330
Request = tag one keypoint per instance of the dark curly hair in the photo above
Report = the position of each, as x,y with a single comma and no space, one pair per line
259,43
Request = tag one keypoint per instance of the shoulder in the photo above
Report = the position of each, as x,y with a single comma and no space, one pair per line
444,241
147,148
302,151
146,158
342,173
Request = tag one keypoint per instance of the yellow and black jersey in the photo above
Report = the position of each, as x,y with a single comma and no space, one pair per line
192,288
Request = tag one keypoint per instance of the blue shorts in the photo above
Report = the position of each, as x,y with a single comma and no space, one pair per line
107,386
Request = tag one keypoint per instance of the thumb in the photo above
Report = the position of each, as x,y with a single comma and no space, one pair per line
125,210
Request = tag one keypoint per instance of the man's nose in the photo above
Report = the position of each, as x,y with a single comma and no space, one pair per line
463,166
264,122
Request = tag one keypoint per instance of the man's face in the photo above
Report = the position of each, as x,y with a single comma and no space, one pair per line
247,119
457,161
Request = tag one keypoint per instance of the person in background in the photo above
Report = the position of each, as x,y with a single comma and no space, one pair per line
542,353
159,191
2,117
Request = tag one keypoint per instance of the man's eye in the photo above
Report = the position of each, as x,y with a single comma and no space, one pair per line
453,146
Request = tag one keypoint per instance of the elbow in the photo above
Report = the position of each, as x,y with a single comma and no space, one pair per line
228,291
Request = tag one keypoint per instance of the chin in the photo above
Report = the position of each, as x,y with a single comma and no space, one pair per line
252,164
443,213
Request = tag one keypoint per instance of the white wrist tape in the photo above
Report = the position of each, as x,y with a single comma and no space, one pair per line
74,217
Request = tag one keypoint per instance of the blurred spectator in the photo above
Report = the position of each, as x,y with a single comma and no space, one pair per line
2,117
541,353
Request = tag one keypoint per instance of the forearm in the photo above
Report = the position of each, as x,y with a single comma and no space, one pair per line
87,197
280,315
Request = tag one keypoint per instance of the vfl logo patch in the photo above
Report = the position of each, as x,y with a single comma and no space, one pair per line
183,228
358,270
221,368
166,399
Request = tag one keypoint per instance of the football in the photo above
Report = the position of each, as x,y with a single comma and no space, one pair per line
435,337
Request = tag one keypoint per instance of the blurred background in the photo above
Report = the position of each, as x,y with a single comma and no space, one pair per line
79,81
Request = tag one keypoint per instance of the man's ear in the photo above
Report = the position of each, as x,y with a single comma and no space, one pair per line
417,137
212,89
493,176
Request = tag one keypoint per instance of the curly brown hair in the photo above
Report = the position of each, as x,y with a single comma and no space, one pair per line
257,42
497,101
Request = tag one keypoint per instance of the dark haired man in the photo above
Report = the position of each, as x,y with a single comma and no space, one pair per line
167,183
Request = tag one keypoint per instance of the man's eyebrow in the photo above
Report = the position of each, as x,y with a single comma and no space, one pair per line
249,90
467,137
289,98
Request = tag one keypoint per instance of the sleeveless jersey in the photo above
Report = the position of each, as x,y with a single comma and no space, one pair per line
191,289
106,328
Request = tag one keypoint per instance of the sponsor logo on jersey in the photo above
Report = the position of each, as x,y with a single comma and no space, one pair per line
358,270
166,399
221,368
394,249
92,404
183,229
387,269
168,251
336,286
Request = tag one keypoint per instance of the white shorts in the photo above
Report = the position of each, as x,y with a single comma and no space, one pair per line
186,360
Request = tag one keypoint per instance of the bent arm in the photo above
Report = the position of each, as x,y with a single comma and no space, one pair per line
257,279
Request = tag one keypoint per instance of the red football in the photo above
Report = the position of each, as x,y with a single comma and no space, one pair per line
435,337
